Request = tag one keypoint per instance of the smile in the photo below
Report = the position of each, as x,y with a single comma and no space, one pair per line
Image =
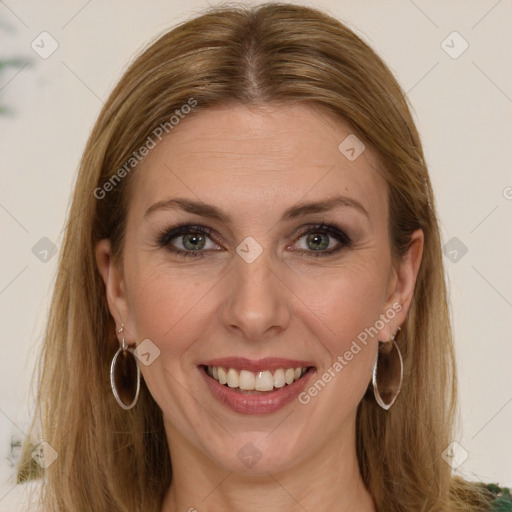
256,387
245,380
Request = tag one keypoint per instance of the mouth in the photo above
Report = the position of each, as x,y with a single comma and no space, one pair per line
256,387
249,382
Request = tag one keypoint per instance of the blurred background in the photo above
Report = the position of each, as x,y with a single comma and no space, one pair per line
59,61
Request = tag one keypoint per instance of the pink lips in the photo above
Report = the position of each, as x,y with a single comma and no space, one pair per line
263,403
268,363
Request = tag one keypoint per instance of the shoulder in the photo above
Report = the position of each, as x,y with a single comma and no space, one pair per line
478,496
501,498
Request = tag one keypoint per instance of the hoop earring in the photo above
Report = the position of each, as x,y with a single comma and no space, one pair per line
387,374
125,375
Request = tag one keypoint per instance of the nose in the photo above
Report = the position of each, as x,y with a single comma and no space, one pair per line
257,301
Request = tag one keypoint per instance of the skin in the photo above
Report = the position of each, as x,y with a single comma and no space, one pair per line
253,164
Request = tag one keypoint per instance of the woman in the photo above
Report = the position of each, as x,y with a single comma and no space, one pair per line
250,311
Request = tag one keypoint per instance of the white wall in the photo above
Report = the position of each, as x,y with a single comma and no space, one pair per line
463,108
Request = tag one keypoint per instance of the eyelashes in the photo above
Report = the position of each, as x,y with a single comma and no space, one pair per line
201,234
168,234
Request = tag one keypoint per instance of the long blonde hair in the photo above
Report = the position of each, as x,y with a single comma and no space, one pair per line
118,461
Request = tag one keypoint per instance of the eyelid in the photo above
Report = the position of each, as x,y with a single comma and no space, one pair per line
166,234
327,228
180,229
332,230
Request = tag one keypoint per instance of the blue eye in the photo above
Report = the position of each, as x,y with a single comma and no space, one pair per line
195,240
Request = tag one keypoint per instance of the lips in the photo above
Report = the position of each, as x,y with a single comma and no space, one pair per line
256,387
268,363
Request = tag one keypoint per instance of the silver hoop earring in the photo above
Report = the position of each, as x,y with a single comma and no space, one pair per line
125,375
387,374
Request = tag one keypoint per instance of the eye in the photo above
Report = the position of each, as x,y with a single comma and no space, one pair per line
187,240
318,240
195,241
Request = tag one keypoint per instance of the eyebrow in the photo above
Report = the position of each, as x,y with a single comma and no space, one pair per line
298,210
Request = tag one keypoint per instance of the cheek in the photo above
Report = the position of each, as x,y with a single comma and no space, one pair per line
354,303
169,304
348,306
346,300
165,305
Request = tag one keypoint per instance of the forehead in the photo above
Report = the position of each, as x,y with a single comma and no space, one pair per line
259,159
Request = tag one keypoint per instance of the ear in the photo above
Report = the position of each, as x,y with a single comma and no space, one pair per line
115,288
401,287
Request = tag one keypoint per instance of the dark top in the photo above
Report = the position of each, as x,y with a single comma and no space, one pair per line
502,501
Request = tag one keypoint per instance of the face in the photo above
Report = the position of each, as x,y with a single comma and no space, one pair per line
255,247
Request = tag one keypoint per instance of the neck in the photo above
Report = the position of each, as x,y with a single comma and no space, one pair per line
327,480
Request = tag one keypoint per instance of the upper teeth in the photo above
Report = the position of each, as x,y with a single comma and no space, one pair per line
259,381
